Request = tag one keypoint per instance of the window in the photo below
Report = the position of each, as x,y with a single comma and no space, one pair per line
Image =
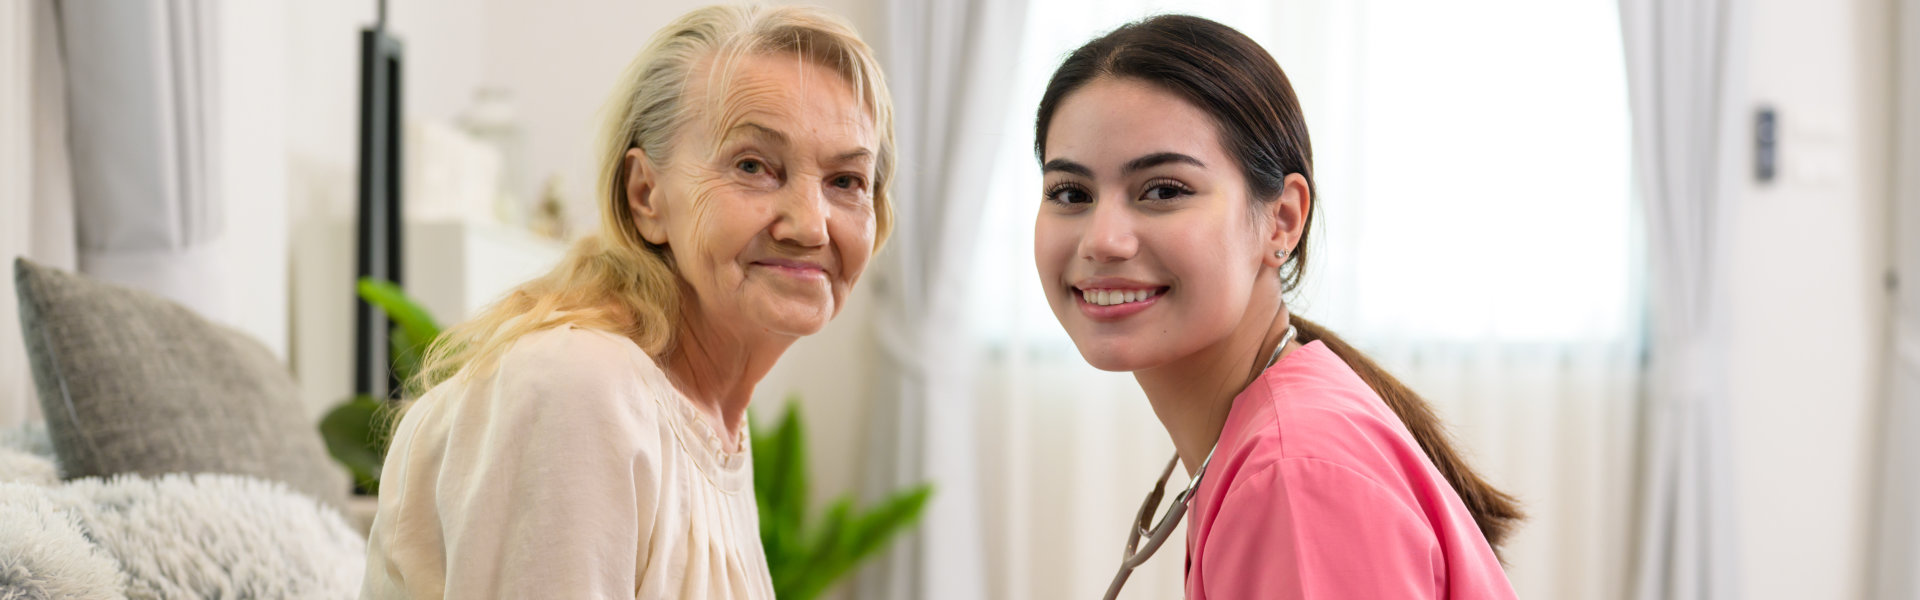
1471,159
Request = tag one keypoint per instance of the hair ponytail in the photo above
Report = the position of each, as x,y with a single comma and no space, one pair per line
1497,512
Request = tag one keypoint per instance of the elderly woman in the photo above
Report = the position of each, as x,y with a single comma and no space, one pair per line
585,437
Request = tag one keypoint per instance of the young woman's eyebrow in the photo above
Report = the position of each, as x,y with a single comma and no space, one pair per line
1159,158
1139,164
1066,166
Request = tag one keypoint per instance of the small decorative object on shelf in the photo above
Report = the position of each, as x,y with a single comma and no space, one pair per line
493,120
550,212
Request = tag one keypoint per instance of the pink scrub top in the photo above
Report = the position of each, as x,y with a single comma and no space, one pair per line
1317,490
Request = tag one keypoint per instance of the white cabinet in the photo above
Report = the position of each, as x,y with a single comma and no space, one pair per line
455,269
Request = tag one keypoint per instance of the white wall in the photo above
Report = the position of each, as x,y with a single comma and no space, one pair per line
253,249
1809,312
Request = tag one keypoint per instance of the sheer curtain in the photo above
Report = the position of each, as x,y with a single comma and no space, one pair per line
144,127
1897,551
1476,235
1683,62
945,73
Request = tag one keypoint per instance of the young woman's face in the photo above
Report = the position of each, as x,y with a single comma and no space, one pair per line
766,201
1146,242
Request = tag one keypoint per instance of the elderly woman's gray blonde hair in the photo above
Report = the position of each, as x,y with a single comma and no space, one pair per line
615,280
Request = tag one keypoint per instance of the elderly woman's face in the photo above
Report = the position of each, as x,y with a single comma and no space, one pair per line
766,201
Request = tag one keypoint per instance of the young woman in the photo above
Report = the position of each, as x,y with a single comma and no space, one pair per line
585,437
1177,201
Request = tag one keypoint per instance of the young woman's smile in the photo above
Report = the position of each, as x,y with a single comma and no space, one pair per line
1113,298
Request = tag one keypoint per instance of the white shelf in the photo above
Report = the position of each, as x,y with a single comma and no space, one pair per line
454,269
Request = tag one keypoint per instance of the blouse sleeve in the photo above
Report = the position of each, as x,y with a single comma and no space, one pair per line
1306,528
550,481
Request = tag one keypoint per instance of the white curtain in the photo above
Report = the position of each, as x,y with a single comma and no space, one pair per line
36,183
946,61
1476,236
1897,552
1552,423
143,124
1683,68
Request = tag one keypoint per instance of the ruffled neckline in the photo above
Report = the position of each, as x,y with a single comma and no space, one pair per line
728,466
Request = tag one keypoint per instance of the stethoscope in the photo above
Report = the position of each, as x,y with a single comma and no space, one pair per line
1157,534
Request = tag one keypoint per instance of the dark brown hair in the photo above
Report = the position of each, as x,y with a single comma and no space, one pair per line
1239,85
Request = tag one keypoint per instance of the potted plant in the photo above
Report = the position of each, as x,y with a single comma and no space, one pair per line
356,431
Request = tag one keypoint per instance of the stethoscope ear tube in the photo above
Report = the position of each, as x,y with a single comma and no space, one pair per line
1135,555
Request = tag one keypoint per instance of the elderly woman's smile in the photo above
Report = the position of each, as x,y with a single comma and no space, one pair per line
798,269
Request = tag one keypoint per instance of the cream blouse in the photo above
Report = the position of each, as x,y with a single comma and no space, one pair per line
573,470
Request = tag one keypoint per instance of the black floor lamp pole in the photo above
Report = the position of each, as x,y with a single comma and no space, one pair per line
379,249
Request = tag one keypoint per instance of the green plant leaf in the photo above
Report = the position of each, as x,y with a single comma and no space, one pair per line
807,575
355,438
416,328
404,311
805,559
791,474
874,528
407,354
762,443
781,484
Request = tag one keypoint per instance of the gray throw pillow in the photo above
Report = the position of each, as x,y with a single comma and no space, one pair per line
133,383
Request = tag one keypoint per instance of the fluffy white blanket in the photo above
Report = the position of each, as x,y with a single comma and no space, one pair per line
174,536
